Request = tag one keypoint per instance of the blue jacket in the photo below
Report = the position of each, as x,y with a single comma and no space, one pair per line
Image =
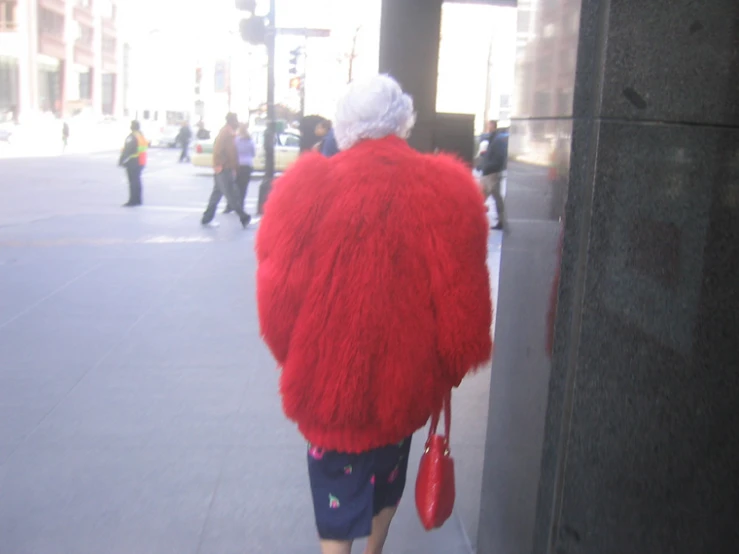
329,146
495,158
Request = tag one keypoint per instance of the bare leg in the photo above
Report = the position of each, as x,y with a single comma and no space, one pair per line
336,547
380,528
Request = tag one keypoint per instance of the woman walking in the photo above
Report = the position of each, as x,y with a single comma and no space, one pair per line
247,150
374,297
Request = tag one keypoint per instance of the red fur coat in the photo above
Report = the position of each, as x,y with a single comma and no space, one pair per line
373,290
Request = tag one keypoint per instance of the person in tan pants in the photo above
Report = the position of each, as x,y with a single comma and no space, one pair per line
493,163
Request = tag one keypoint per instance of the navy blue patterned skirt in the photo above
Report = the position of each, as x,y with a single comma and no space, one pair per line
350,489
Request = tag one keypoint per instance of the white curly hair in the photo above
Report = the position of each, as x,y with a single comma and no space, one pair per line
373,108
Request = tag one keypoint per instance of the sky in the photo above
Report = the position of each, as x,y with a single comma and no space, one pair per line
189,31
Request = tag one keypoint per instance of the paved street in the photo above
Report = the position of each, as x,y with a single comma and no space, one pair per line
139,411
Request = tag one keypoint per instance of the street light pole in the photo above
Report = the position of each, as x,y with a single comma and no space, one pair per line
254,31
305,74
269,135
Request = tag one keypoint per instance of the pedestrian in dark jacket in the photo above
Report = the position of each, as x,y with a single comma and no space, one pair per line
329,147
133,158
203,133
327,143
308,137
494,162
183,139
65,135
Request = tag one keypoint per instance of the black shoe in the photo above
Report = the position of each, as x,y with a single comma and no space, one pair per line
131,204
245,221
498,227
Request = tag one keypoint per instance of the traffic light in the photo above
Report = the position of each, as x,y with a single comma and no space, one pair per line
253,30
246,5
294,56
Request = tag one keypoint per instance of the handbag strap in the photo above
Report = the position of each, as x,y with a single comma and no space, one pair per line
447,407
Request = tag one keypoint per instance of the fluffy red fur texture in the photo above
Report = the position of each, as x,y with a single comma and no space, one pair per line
373,290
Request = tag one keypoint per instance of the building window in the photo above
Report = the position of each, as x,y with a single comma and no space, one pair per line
523,21
108,45
8,85
108,9
84,3
564,104
541,103
108,93
86,85
86,35
50,23
7,15
49,87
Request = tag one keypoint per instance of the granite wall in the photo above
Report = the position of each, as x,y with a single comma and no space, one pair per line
626,144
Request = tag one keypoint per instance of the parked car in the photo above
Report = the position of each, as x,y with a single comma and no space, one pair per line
165,136
6,132
7,127
287,150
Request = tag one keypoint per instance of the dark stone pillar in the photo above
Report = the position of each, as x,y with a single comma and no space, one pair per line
409,51
627,439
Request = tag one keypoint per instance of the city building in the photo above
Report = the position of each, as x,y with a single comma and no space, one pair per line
60,57
545,62
476,61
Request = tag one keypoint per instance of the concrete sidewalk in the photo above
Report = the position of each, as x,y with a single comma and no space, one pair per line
139,410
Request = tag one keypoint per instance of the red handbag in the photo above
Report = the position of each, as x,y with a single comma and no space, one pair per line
435,483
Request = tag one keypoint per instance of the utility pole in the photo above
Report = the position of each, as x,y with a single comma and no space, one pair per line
269,136
259,30
305,73
488,84
353,53
298,70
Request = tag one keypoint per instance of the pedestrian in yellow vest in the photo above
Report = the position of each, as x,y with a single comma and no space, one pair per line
133,158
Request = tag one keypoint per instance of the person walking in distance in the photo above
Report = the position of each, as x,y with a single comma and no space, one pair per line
226,166
247,150
183,139
374,297
65,136
493,163
203,133
133,158
327,145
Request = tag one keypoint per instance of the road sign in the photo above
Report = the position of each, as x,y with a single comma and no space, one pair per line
303,32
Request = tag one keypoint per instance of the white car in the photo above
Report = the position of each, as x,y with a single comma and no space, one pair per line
165,136
287,150
6,132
